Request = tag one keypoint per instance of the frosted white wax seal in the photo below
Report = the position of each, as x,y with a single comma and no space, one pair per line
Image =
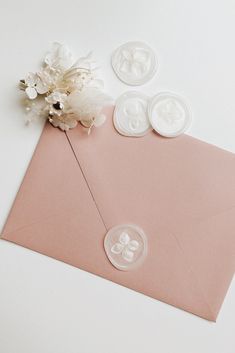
125,246
169,114
130,116
134,63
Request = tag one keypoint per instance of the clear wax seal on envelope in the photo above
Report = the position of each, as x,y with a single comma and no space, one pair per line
130,116
125,246
134,63
169,114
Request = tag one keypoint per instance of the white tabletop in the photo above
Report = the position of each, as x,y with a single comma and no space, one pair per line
50,307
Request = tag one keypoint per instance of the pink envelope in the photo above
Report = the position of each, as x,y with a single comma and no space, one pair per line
180,191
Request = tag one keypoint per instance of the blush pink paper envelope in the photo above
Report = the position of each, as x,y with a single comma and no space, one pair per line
180,191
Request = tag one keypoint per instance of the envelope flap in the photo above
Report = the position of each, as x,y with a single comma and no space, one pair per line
181,179
78,186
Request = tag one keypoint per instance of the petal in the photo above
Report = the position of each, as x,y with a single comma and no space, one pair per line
133,245
51,55
55,96
59,58
31,79
117,248
86,123
99,120
54,122
50,99
65,57
128,255
41,87
63,126
59,97
124,238
72,124
31,92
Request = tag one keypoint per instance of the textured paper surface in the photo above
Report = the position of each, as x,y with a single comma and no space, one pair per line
180,191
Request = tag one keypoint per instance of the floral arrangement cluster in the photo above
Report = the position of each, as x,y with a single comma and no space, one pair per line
65,91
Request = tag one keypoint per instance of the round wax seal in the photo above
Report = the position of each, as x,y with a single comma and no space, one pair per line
134,63
125,246
130,115
169,114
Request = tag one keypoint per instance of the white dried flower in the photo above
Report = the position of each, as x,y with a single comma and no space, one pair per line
64,122
35,109
66,91
57,103
34,85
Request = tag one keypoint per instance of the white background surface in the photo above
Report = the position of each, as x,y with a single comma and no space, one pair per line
47,306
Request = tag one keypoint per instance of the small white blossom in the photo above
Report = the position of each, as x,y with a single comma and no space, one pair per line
35,85
57,102
64,122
